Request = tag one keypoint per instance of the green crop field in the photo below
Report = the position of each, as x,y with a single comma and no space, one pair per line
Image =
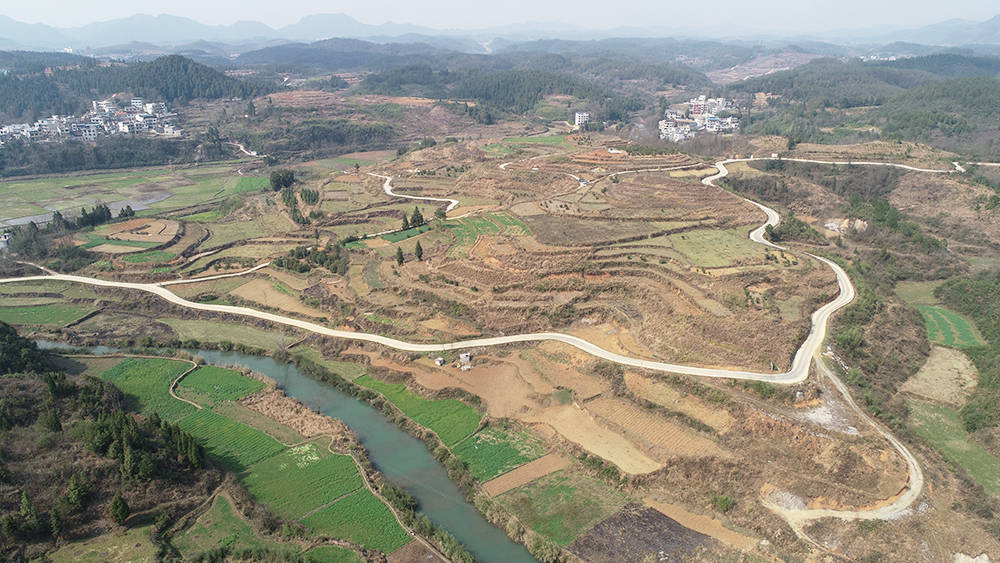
715,248
481,226
146,381
495,451
151,256
212,331
948,328
361,518
942,428
302,479
554,140
450,418
222,526
347,370
498,149
237,446
511,223
221,384
49,315
94,240
403,235
332,554
561,506
465,237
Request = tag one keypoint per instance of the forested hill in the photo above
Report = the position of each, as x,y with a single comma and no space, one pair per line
172,78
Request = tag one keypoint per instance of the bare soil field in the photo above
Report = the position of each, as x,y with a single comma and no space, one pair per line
264,292
948,376
661,437
549,463
665,395
286,411
580,427
151,230
637,533
704,524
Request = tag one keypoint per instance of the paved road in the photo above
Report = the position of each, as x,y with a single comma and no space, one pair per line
387,186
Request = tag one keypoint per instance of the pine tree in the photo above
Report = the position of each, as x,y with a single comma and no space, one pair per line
29,513
399,256
406,223
119,510
419,251
251,110
416,219
57,521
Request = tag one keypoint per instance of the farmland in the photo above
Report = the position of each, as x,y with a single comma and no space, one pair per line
146,381
562,505
948,328
235,445
494,451
942,428
51,315
451,419
151,256
301,479
123,547
221,526
221,384
362,518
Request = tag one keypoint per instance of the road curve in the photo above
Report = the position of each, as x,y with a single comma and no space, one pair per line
387,186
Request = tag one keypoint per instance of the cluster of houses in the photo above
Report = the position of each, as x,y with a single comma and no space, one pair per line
106,118
700,115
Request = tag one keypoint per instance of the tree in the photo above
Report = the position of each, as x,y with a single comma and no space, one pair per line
57,521
29,513
440,213
251,110
419,251
282,179
357,167
126,212
406,222
399,256
416,219
119,510
51,421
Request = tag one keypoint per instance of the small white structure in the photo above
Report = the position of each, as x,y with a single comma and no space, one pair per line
581,118
439,361
465,357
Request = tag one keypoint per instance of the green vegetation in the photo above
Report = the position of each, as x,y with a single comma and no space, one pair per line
948,329
151,256
494,451
235,445
362,518
451,419
119,547
791,228
221,384
943,429
978,297
94,240
714,248
220,526
403,235
507,220
562,505
332,554
46,315
204,216
219,332
146,382
302,479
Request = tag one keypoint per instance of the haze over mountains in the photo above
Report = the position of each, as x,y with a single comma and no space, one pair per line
168,30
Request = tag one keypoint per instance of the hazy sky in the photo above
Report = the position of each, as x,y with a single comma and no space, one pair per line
784,15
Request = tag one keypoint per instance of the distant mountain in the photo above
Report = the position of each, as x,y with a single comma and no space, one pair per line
957,32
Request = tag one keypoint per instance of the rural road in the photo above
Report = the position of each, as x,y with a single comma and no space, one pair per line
798,372
387,186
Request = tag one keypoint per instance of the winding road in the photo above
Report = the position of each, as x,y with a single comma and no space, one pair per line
809,351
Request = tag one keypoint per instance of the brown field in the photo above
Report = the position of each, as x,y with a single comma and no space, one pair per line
580,427
150,230
948,376
549,463
637,533
704,524
665,395
413,552
662,436
264,292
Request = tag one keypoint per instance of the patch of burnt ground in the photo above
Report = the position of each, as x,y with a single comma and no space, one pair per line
637,533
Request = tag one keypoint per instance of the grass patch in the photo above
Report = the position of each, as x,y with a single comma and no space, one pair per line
251,184
97,240
481,226
512,223
562,506
301,479
451,419
355,245
347,370
714,248
942,428
465,237
221,384
361,518
495,451
128,546
332,554
220,526
203,217
948,328
50,315
403,235
236,446
147,381
212,331
151,256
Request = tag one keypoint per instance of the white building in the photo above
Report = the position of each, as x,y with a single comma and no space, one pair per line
137,103
581,118
156,108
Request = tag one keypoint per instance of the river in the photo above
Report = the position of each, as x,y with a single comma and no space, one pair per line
403,459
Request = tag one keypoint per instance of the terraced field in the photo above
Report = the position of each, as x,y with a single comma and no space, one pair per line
948,328
361,518
451,419
494,451
146,382
654,429
235,445
55,314
221,384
